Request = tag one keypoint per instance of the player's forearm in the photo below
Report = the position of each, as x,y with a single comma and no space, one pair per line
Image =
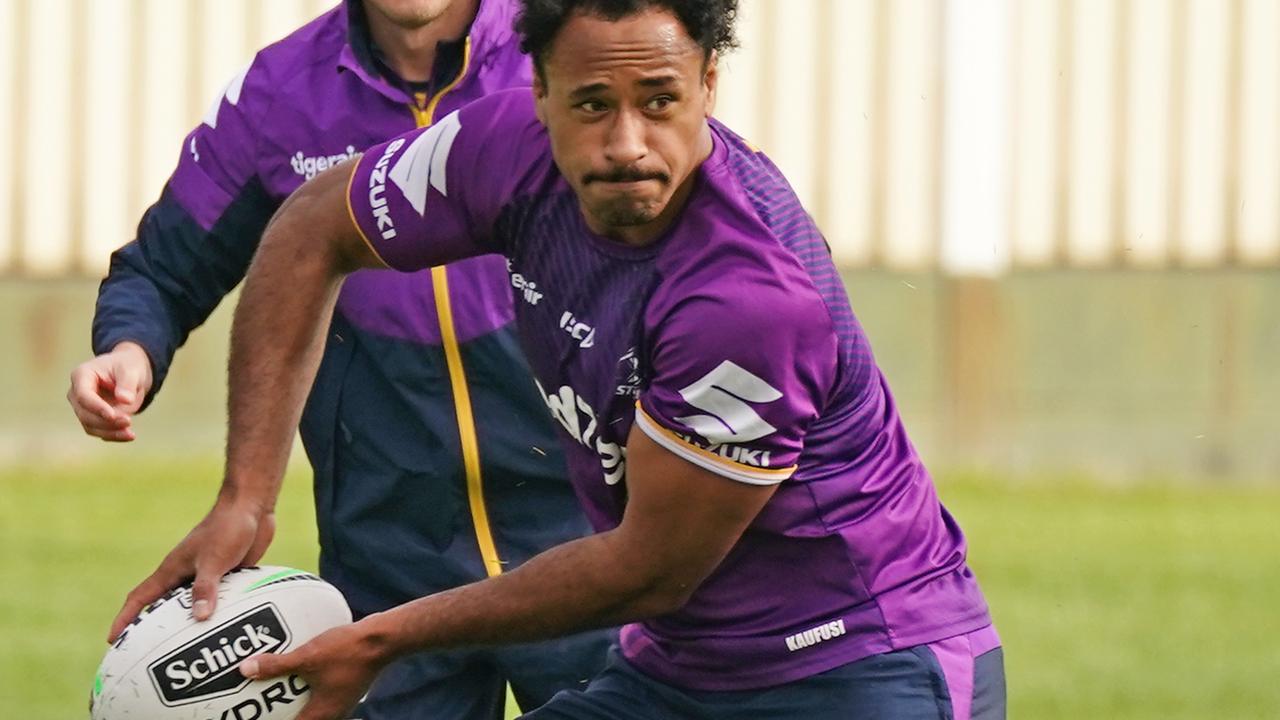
589,583
277,338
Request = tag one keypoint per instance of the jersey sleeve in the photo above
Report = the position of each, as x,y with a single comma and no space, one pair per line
737,379
433,196
194,244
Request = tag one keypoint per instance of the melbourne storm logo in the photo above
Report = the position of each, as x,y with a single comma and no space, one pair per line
206,668
629,374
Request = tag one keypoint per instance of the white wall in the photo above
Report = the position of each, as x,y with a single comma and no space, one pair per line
978,134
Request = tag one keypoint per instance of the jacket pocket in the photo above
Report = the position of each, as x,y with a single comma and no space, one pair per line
320,430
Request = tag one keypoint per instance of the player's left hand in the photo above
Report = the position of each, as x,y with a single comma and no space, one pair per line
339,665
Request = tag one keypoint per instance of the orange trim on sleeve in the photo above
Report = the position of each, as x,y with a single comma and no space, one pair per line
757,473
351,213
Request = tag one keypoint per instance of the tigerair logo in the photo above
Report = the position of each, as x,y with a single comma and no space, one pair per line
525,288
813,636
309,166
206,668
579,419
378,191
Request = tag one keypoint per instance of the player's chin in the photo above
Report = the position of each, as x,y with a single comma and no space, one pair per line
629,212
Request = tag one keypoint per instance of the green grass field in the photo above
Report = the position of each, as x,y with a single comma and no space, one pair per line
1138,603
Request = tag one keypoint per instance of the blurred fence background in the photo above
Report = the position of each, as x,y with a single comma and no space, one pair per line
1059,219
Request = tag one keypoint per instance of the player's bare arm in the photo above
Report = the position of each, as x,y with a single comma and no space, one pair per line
680,523
277,339
278,330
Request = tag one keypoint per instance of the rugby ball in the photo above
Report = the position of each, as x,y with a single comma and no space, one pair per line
167,666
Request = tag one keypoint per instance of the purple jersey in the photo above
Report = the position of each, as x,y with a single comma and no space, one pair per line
731,343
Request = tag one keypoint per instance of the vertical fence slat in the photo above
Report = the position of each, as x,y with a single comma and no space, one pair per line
847,179
912,165
1234,130
196,58
767,67
1177,131
78,143
1259,173
135,95
1120,64
824,122
107,221
21,146
13,38
1092,144
1064,150
937,130
45,147
882,22
1204,135
1150,132
1036,132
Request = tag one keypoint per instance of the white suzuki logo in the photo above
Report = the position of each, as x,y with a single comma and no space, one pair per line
378,191
723,394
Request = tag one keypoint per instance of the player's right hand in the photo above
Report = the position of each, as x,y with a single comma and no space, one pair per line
232,535
107,390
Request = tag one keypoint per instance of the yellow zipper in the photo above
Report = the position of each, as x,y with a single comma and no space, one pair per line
424,115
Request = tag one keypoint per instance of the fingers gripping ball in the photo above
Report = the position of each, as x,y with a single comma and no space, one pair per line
167,666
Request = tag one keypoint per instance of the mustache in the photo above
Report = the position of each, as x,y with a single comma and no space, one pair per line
625,174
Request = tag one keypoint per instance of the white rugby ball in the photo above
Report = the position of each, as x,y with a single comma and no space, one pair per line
167,666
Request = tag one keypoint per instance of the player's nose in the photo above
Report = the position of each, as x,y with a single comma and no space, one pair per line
625,144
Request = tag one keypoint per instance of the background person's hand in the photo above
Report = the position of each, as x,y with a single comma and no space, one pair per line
232,535
107,390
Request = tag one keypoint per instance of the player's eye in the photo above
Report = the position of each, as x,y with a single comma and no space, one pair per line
593,107
659,103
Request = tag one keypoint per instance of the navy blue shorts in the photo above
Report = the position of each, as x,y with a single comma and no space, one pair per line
960,678
472,684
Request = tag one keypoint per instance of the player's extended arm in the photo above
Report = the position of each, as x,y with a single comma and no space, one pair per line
276,342
679,524
277,335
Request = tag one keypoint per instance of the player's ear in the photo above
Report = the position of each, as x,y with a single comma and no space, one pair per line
710,80
539,95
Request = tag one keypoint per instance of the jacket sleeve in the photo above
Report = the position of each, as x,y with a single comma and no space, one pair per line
193,246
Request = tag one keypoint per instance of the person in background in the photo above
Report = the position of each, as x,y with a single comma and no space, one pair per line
434,457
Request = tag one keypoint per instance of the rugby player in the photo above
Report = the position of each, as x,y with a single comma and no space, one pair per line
765,525
413,495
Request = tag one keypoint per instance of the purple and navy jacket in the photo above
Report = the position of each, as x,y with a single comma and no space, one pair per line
730,342
397,481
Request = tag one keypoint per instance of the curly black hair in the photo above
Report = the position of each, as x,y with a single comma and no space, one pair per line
709,22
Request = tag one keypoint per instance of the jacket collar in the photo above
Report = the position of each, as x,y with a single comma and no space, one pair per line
491,30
